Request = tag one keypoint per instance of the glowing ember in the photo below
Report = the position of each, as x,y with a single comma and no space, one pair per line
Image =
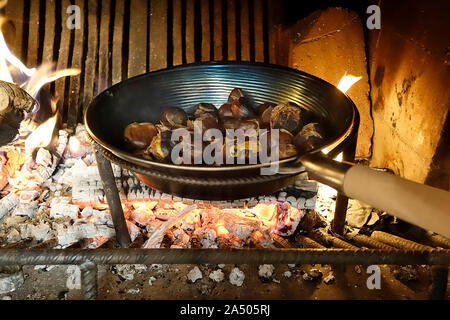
74,145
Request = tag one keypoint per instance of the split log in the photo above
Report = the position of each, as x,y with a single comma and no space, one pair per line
13,103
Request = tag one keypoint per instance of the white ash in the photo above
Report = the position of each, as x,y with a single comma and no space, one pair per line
133,230
310,203
13,236
87,185
151,280
287,274
217,275
291,265
11,282
237,277
26,209
312,275
40,232
66,176
44,268
87,212
13,221
265,270
60,210
207,237
133,291
102,217
194,275
27,196
127,271
44,157
329,279
358,269
8,203
82,229
276,280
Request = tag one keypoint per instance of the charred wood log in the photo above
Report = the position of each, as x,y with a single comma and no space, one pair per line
14,101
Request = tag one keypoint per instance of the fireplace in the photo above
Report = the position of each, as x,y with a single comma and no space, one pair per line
71,201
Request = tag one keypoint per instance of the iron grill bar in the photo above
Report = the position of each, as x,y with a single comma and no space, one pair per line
226,256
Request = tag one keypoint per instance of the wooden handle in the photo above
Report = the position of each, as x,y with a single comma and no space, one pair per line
413,202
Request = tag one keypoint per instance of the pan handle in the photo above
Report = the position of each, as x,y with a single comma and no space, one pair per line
413,202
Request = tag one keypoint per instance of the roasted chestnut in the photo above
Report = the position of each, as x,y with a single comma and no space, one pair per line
241,124
174,118
240,110
265,111
284,136
285,121
161,146
209,121
235,95
202,108
225,111
287,116
240,152
161,128
140,135
287,151
310,137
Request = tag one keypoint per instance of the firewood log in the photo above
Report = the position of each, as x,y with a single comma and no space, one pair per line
14,101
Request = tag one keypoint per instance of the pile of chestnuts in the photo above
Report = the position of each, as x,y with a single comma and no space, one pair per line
298,128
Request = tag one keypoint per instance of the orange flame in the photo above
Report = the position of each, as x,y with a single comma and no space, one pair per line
347,81
33,80
42,136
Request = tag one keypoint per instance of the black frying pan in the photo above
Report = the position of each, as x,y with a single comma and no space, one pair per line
143,98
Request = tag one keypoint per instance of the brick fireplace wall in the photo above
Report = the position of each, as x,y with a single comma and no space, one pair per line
409,74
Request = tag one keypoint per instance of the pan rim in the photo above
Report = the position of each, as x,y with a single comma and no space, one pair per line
341,136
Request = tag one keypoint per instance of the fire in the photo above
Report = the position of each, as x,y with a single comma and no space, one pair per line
347,81
43,75
7,56
42,136
32,80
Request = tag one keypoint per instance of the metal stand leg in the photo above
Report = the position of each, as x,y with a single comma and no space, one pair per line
340,211
112,196
439,278
89,278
